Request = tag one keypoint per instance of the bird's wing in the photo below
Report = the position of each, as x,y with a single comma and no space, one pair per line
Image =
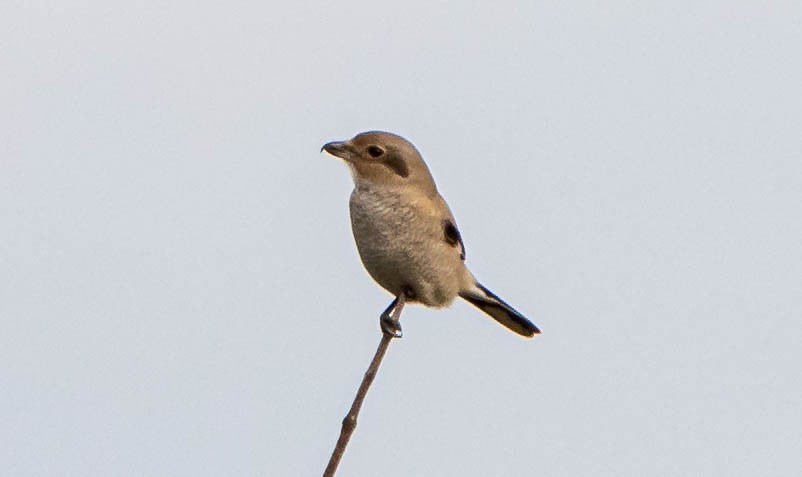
453,237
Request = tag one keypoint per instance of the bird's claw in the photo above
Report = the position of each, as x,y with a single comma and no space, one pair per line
389,326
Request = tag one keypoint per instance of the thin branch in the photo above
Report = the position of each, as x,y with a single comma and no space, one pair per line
349,422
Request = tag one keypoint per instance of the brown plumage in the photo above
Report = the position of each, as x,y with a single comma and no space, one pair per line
405,233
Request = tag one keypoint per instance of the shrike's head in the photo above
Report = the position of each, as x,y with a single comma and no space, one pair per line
384,159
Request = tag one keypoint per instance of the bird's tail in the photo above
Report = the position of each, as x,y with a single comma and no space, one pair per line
499,310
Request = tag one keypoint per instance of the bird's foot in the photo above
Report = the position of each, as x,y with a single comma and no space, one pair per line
389,319
389,326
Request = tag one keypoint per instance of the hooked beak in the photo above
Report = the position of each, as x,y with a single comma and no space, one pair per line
338,149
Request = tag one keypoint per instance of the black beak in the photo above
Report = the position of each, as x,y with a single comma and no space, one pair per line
337,149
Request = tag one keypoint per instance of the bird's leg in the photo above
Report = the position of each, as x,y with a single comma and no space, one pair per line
389,317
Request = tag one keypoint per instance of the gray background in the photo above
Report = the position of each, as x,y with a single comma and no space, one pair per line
180,293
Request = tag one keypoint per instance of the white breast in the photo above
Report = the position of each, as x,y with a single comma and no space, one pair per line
400,239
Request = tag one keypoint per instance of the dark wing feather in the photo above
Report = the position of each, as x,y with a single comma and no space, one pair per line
453,237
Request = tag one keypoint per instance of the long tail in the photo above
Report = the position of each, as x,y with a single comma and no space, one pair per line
499,310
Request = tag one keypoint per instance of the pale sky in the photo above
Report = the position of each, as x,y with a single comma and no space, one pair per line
182,295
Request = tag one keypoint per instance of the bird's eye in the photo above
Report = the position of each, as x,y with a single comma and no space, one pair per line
375,151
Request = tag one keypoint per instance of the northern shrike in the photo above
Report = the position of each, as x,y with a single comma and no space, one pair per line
406,235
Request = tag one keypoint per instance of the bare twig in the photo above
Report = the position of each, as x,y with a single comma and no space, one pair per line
349,422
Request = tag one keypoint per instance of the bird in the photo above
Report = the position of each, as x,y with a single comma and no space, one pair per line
406,235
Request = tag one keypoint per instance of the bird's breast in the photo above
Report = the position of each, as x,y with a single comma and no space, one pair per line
399,236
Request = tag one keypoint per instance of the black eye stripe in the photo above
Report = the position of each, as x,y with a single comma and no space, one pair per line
397,164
